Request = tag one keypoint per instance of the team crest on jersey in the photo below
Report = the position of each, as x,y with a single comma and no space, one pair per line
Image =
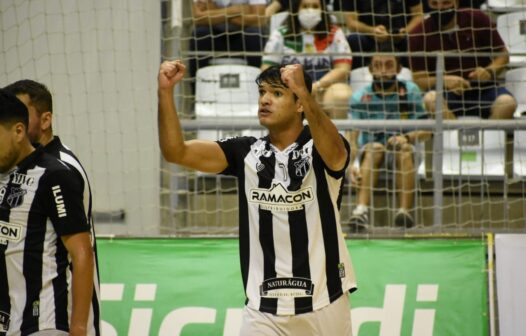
286,287
278,198
15,196
301,167
4,321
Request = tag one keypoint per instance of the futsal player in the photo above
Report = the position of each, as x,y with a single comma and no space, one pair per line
295,266
43,228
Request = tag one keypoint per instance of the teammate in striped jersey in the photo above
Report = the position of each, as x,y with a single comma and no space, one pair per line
39,103
295,266
43,228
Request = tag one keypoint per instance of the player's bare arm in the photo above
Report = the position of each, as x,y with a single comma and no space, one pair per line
326,138
82,259
202,155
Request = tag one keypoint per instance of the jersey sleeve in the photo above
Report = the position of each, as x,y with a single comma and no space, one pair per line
64,205
340,173
235,150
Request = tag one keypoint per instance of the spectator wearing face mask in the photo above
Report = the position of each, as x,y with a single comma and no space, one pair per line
309,38
475,55
386,98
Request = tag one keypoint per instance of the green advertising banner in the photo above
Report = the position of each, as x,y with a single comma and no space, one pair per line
187,287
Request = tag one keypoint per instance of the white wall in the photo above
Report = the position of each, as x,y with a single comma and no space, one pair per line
99,58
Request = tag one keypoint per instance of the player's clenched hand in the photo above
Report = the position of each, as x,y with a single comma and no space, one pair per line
170,73
292,76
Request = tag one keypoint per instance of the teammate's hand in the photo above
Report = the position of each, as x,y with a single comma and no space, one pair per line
170,73
292,76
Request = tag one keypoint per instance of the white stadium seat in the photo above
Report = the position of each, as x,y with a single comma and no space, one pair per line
474,154
506,5
512,29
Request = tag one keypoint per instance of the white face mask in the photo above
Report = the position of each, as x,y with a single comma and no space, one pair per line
309,17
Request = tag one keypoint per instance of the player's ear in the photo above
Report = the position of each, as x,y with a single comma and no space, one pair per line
299,107
19,131
46,120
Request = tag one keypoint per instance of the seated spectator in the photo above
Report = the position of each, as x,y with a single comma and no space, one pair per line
385,98
310,39
373,22
227,26
470,80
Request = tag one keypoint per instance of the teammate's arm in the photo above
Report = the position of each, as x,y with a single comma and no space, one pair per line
202,155
81,252
326,138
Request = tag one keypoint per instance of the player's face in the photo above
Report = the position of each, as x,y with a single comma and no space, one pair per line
384,66
34,131
277,105
8,149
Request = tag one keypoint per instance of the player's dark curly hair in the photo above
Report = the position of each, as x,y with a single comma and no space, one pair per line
272,75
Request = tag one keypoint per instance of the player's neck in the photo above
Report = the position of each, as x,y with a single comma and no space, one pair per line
25,150
45,138
283,138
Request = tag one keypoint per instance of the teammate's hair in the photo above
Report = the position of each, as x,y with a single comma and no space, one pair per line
272,75
39,94
12,110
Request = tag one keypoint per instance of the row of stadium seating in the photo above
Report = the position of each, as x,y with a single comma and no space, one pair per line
229,91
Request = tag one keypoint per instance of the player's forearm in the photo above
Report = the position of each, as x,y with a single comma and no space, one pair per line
171,139
82,292
324,133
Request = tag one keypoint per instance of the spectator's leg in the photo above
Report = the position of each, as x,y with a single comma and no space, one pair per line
373,158
405,175
430,104
254,41
336,100
360,43
503,107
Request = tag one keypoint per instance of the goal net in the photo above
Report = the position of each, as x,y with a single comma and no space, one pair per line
100,60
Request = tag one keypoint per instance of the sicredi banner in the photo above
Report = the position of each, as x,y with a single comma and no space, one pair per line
192,287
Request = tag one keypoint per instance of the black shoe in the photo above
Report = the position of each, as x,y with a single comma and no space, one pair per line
403,219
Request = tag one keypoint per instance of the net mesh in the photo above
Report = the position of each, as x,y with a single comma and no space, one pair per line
100,58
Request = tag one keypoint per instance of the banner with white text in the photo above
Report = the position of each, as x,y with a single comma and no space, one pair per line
192,287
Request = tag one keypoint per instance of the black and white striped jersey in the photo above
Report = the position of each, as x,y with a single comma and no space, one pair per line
40,201
293,255
56,148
